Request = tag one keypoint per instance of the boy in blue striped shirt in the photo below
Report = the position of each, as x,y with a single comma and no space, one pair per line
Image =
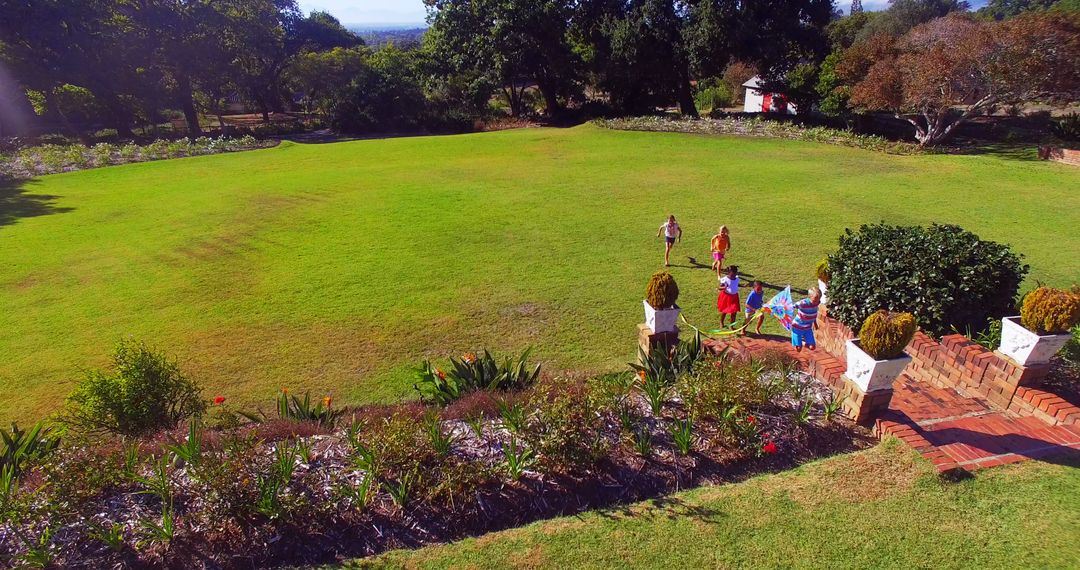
802,329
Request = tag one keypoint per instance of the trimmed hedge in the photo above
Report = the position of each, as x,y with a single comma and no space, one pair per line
944,275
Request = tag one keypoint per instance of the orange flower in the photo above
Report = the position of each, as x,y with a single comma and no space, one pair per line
284,390
641,374
469,357
440,374
327,400
219,400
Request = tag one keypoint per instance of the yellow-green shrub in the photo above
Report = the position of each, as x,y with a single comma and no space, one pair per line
884,335
823,270
662,292
1051,311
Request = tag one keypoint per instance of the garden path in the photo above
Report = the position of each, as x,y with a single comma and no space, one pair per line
956,432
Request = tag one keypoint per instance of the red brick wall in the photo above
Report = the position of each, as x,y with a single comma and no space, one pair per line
1060,155
956,362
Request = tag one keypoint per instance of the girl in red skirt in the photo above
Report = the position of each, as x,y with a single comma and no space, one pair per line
727,303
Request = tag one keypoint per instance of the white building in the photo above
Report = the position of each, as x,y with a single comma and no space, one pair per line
755,101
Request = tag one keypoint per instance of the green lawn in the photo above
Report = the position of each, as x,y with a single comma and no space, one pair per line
882,508
338,267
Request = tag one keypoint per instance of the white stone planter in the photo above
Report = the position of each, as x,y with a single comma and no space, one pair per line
824,288
872,375
1026,347
663,320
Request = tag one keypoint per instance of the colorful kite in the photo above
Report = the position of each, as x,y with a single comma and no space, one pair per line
782,307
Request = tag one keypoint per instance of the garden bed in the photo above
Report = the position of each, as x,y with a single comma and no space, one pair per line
53,159
758,127
280,491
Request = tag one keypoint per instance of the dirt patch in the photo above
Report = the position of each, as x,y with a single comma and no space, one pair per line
857,478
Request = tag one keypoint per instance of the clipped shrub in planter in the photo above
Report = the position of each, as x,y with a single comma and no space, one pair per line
1051,311
661,294
945,276
876,359
1041,330
884,335
823,277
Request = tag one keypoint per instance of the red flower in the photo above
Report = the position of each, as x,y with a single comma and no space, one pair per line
219,400
769,448
751,420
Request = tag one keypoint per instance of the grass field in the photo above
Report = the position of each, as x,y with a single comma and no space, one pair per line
337,267
882,508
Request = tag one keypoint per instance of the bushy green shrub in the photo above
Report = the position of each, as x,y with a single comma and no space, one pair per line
1051,311
144,392
884,335
712,94
946,277
662,291
1067,127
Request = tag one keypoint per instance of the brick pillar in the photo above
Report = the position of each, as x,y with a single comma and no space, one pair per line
647,339
864,407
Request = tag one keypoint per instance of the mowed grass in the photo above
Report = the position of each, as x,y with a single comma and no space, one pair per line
336,268
882,508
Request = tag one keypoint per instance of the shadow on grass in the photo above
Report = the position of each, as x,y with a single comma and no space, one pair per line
16,204
1012,151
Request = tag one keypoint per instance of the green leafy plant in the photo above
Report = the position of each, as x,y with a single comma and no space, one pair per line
190,449
359,494
293,408
643,442
1051,311
669,364
476,423
111,535
884,335
400,491
472,372
682,433
160,532
513,416
656,392
943,275
22,446
518,458
802,413
145,392
662,292
441,441
833,405
1066,127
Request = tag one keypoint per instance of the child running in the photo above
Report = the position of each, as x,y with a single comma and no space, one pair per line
802,329
754,302
721,244
672,232
727,302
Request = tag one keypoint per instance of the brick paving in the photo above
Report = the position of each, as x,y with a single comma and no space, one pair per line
953,430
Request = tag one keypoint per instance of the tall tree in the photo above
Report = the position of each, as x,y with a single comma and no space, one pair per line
942,73
511,42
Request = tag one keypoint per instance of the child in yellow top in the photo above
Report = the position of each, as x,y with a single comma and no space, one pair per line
721,245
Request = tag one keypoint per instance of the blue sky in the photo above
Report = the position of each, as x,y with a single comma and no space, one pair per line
412,11
370,11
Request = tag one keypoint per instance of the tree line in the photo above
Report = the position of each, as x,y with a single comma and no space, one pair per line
929,62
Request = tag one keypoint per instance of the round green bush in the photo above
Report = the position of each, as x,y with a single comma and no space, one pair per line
945,276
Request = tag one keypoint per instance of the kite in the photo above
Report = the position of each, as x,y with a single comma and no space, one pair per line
782,307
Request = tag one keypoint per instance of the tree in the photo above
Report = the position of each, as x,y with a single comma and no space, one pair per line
929,73
324,76
385,96
511,43
903,15
1002,9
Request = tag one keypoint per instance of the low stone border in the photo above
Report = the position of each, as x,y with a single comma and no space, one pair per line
1062,155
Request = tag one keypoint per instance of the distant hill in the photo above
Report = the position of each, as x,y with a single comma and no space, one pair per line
404,34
